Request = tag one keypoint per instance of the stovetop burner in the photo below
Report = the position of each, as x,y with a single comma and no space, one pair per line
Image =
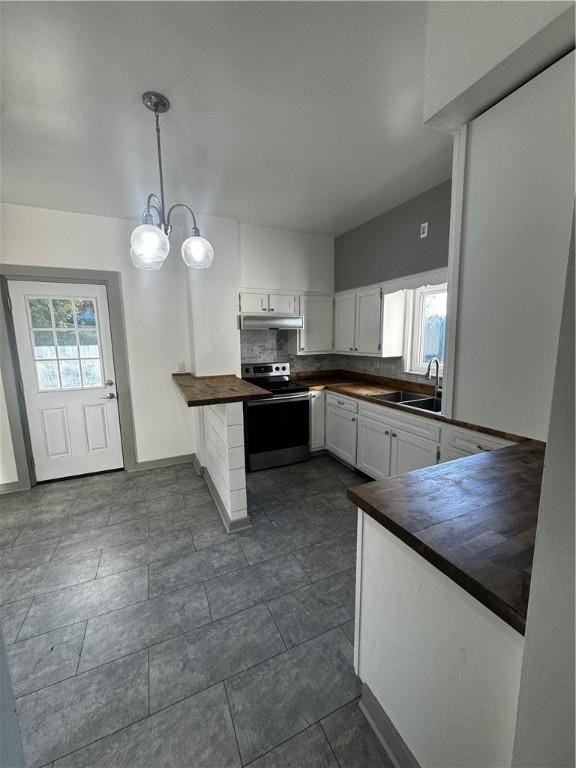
273,376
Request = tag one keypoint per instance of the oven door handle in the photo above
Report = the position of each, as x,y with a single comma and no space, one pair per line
279,399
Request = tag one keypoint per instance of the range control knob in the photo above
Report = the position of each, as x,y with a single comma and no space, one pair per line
283,367
277,368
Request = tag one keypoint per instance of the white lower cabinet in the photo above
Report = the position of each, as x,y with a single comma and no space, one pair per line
341,433
449,454
373,448
411,452
317,414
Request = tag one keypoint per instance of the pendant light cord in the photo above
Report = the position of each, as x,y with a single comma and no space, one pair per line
160,171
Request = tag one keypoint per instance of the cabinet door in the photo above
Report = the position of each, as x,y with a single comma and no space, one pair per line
373,456
393,313
410,452
282,304
341,434
344,322
368,321
253,302
316,335
316,421
449,454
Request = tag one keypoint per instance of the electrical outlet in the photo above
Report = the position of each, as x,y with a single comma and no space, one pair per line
423,230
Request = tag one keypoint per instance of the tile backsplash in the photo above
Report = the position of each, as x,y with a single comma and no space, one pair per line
268,346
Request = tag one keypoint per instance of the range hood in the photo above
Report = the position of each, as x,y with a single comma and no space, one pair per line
271,322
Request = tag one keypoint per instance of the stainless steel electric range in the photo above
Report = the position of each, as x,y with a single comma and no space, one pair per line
276,428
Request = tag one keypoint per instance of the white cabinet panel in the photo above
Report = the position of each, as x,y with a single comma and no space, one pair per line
317,413
368,321
410,452
344,322
373,448
253,302
393,318
316,335
341,433
342,401
282,303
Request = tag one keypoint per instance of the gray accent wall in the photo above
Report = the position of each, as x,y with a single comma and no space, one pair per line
389,246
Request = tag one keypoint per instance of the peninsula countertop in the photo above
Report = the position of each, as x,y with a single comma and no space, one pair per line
215,390
474,519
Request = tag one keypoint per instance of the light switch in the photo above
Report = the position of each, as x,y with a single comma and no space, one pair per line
423,230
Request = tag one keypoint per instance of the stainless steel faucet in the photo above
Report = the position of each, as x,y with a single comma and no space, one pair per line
437,377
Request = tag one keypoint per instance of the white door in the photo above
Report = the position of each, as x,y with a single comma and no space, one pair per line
65,352
282,304
368,321
316,336
344,318
341,433
316,421
410,452
373,448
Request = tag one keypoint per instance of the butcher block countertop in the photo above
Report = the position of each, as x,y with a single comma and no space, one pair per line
474,519
363,386
214,390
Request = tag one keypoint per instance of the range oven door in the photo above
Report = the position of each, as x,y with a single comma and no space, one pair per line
277,431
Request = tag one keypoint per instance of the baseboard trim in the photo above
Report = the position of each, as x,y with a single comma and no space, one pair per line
197,466
169,461
13,487
384,728
231,525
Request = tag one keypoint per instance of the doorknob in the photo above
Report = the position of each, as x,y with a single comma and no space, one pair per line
109,383
109,396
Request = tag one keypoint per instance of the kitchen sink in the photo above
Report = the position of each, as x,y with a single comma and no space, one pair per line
433,404
398,397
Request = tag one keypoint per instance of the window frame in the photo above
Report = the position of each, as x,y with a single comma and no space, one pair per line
414,335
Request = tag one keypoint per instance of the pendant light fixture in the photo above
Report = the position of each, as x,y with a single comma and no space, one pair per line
150,243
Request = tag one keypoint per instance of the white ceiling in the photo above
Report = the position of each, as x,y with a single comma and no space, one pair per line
298,115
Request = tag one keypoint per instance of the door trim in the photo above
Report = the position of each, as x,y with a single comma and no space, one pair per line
10,367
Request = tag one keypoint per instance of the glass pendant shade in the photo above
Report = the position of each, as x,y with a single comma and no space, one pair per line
149,247
197,252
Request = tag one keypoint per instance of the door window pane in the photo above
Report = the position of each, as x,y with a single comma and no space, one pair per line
85,312
40,313
70,374
88,344
91,373
44,348
66,343
67,346
47,375
63,313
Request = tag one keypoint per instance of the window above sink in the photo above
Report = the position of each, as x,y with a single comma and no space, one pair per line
426,327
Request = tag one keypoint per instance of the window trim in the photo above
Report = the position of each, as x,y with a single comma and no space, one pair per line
415,305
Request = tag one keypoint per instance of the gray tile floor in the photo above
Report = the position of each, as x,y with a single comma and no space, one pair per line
139,633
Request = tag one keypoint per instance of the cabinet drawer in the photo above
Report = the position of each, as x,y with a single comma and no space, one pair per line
341,401
470,441
416,425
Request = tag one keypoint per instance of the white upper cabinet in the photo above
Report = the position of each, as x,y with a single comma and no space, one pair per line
393,318
368,321
316,336
282,304
251,303
344,322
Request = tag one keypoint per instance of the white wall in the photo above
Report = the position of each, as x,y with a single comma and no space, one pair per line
215,335
280,258
155,308
518,201
444,668
466,40
545,730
